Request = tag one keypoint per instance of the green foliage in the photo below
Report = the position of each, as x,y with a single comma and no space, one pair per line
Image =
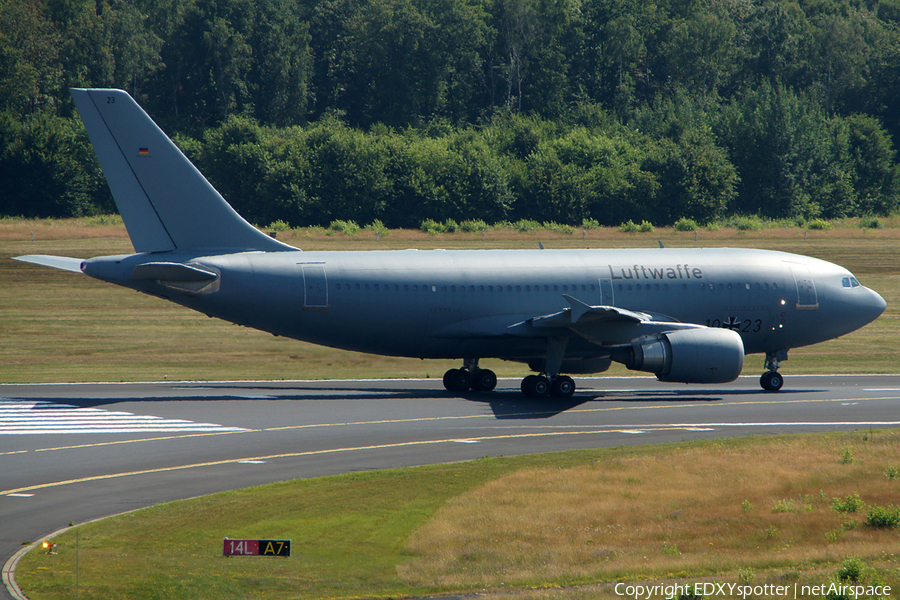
870,222
406,110
432,227
783,506
882,517
345,227
279,225
744,223
849,504
820,224
378,227
853,569
524,225
670,549
632,227
892,472
847,455
48,168
474,225
685,224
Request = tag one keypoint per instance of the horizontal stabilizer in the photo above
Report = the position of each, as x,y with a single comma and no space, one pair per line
57,262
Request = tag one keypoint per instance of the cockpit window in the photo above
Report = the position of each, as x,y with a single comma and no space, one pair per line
850,282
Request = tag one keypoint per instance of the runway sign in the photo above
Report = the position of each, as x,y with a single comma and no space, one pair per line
256,547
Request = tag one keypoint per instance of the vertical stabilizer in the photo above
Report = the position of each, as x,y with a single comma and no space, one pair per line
166,203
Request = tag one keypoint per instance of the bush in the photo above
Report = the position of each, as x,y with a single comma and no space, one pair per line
559,228
526,225
685,224
345,227
742,223
474,225
631,227
849,504
279,225
432,227
881,517
870,223
819,224
590,223
378,227
847,456
852,569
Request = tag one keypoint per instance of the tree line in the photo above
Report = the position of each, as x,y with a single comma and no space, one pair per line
307,111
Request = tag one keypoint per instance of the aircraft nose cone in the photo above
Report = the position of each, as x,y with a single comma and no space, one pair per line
876,304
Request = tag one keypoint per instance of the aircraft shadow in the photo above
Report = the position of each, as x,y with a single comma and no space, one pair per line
505,404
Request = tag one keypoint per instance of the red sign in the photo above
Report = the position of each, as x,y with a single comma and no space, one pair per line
241,548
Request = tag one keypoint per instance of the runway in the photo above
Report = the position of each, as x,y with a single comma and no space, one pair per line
76,452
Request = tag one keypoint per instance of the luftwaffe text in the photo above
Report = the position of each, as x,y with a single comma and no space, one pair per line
657,273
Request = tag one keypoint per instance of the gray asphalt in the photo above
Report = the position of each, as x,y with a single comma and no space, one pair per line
76,452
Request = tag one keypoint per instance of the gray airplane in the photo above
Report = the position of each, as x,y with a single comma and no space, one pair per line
686,315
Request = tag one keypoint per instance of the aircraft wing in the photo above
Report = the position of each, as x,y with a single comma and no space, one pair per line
582,313
603,325
57,262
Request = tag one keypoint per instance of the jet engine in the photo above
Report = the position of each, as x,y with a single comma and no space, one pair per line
702,355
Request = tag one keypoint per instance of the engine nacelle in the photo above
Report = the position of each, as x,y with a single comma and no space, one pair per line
702,355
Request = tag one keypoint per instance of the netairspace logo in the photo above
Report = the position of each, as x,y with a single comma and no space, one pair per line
743,591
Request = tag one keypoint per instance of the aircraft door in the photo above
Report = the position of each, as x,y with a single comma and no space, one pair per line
606,293
806,288
315,287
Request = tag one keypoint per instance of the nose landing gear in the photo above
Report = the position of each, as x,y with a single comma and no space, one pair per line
771,380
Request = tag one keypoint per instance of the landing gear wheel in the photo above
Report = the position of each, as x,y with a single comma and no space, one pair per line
457,380
536,386
562,387
484,380
771,381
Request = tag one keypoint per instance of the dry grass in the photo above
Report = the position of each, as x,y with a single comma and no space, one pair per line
704,510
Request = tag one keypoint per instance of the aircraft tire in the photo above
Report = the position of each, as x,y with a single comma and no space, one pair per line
562,387
484,380
457,380
536,386
771,381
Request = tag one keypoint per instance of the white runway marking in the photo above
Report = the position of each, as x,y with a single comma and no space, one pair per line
42,417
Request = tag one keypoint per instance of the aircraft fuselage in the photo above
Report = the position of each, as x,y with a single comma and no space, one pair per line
455,304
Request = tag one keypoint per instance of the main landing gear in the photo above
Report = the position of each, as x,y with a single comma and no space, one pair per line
470,377
541,386
771,380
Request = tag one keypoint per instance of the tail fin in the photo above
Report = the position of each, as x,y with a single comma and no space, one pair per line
165,201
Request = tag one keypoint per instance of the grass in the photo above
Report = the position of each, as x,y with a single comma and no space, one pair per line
565,525
57,326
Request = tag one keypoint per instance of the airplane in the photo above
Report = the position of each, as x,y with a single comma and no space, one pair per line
685,315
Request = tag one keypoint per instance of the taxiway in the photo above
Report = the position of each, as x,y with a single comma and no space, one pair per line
75,452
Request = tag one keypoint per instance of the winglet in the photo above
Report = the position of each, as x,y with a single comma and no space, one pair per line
165,201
